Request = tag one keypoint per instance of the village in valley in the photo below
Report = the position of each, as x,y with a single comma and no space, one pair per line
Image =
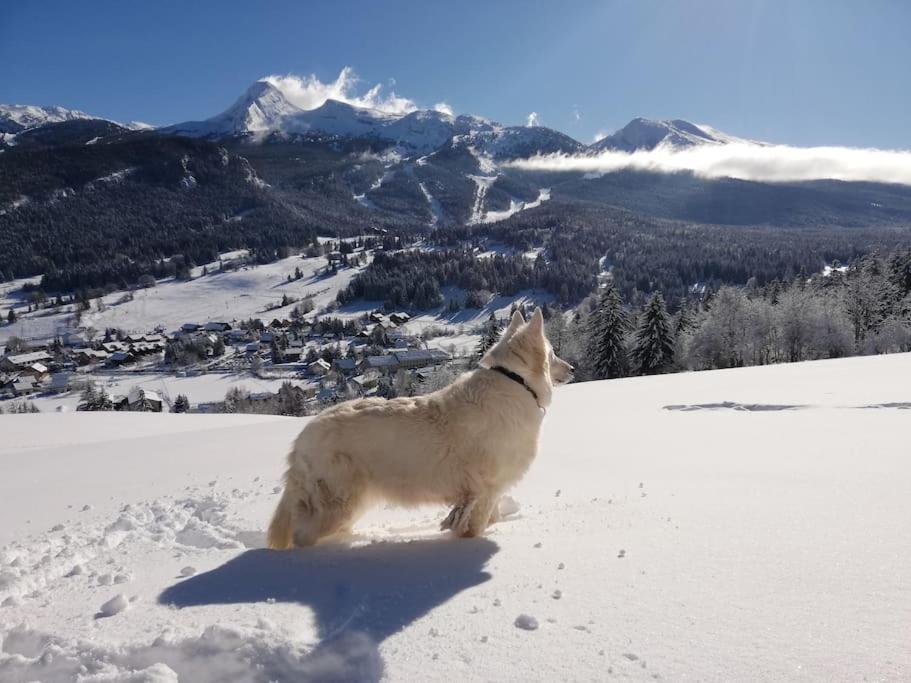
292,356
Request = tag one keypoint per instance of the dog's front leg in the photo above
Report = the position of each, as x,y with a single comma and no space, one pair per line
471,517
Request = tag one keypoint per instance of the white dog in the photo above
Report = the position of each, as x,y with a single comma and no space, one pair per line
462,445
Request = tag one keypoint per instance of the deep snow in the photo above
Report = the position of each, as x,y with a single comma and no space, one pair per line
734,525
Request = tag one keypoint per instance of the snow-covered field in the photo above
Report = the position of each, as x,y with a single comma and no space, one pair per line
239,294
736,525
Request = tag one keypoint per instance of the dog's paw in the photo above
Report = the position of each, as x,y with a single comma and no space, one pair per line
459,519
450,521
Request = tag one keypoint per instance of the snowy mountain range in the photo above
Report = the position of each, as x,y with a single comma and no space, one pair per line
264,110
642,133
334,157
15,118
18,118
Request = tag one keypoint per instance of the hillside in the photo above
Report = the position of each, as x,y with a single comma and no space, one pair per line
731,525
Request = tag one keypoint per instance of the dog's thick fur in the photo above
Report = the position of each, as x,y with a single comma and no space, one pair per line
462,445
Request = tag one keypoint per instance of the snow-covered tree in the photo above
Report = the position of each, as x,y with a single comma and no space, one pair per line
653,350
607,328
489,336
181,404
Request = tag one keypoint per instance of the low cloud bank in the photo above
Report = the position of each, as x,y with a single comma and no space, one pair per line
745,161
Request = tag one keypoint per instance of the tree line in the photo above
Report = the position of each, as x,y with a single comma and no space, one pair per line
844,311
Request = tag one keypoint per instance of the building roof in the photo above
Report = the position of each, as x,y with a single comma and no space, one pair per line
24,359
389,361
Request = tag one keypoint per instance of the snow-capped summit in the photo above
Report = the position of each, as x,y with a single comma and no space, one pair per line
261,108
15,118
641,134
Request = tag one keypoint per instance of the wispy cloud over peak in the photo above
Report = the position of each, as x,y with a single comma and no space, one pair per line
309,92
534,119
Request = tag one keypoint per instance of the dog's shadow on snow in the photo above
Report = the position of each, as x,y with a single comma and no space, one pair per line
359,595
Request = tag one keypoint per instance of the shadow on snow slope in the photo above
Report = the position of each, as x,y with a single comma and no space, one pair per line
359,596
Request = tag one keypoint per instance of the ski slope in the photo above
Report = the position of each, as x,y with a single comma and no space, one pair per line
735,525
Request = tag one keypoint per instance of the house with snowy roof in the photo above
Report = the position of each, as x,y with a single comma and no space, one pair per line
23,360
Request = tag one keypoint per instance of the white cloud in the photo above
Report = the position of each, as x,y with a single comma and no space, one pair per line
309,92
533,119
577,114
599,136
746,161
443,108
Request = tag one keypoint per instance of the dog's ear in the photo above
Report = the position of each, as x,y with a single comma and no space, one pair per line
536,324
514,324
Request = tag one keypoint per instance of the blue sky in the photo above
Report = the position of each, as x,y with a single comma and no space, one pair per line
802,73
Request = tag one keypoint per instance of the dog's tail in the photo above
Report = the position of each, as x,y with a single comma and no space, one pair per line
280,536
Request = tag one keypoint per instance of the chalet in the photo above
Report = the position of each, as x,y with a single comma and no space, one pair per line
38,371
139,400
381,363
319,367
252,347
362,384
121,358
399,318
23,360
357,347
335,258
345,365
217,327
236,336
89,356
420,358
190,327
293,354
23,386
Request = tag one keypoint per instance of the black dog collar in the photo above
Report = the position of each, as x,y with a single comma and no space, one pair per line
515,377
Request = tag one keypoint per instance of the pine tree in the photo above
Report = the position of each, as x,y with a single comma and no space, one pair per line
607,330
489,336
181,404
653,351
89,397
